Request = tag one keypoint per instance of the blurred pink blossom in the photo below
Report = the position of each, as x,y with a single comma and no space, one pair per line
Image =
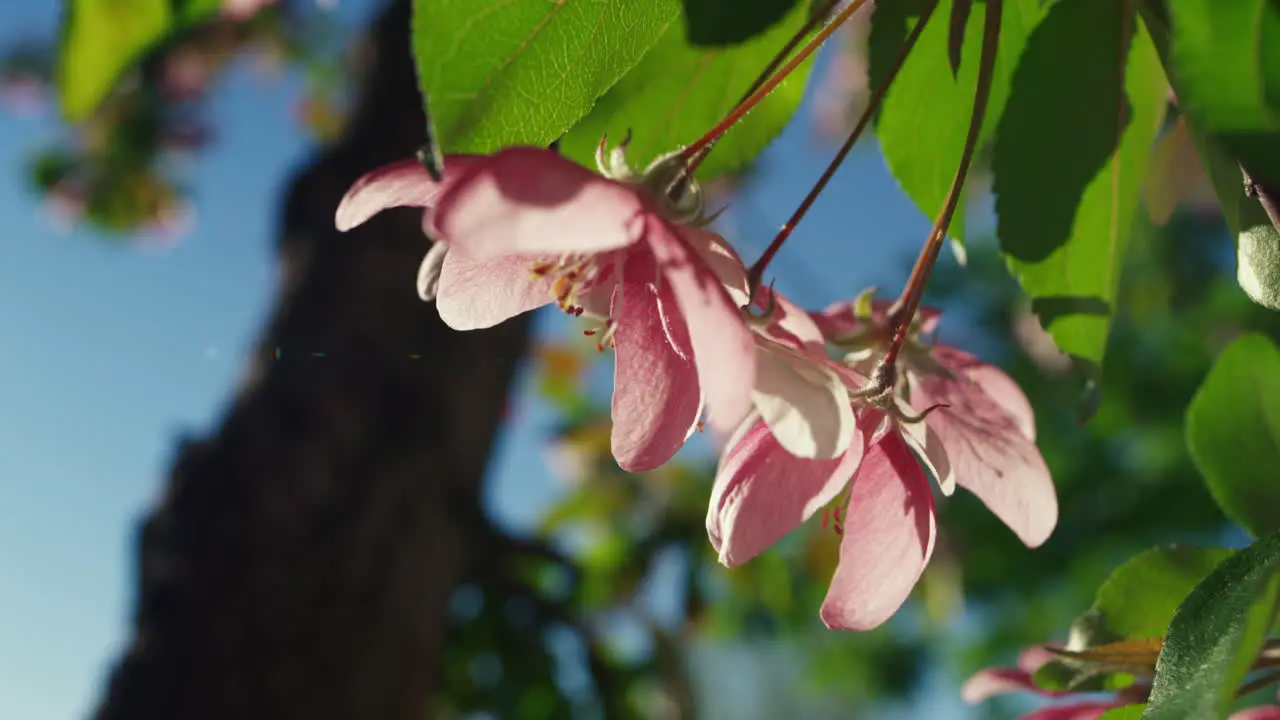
842,90
187,72
23,95
242,9
171,224
64,206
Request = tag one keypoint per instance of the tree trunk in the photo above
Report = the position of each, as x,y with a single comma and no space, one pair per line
300,562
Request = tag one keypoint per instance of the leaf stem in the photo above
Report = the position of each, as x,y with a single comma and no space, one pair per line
689,153
1265,196
756,273
904,310
816,18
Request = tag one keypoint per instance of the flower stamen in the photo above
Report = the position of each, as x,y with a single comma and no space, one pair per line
571,276
605,332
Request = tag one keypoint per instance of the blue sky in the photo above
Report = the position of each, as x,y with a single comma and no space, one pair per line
111,352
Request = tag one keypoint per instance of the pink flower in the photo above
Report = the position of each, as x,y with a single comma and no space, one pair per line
843,91
243,9
795,451
980,429
1001,681
1261,712
983,438
173,221
23,94
525,227
64,206
187,73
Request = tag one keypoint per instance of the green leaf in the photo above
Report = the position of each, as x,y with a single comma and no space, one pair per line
522,72
1069,156
1139,598
1226,63
1215,636
1256,239
192,11
728,22
678,92
889,27
956,29
1233,432
1224,174
1127,712
925,116
101,39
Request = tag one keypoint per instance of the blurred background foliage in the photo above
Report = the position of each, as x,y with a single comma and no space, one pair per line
569,622
123,168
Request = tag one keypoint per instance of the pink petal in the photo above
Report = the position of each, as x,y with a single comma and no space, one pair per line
932,453
656,399
535,202
429,271
723,345
597,301
1075,711
805,405
762,492
928,318
733,443
474,294
989,453
837,320
721,258
1035,657
1262,712
1000,681
889,530
397,184
790,325
996,681
994,382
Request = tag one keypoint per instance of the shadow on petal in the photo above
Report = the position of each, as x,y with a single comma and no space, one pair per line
533,201
656,399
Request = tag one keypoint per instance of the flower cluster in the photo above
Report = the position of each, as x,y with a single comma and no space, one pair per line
810,414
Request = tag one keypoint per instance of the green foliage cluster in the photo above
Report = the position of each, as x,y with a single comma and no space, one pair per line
130,76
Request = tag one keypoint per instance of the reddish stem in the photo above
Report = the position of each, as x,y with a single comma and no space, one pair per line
768,86
815,19
757,270
905,308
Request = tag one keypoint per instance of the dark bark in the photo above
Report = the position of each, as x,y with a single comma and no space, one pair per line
300,561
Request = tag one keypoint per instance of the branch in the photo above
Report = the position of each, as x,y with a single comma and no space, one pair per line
300,562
